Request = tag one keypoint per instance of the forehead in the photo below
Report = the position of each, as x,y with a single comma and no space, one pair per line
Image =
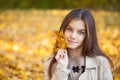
77,24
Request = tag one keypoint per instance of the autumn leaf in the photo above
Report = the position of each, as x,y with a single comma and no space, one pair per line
60,40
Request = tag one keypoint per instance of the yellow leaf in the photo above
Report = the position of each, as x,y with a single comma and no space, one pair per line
116,78
60,40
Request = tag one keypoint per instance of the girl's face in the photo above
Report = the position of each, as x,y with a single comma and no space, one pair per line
75,34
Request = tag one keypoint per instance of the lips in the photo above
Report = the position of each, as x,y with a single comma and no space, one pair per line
72,42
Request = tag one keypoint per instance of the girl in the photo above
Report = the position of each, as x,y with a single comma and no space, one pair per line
83,59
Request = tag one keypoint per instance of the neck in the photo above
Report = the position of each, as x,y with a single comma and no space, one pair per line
75,53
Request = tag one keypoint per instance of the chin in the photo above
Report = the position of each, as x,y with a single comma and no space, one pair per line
72,47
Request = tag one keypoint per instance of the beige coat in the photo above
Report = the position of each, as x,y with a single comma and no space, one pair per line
97,68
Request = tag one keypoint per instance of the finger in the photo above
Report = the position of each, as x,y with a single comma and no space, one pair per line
59,55
62,55
65,50
66,54
61,51
56,57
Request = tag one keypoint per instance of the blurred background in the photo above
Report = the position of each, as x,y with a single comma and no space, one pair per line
27,38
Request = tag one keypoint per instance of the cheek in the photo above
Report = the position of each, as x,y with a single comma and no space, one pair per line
66,34
81,38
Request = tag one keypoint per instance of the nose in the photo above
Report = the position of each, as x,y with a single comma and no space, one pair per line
73,35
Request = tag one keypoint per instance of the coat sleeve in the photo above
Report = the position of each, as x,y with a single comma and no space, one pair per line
46,65
59,73
107,74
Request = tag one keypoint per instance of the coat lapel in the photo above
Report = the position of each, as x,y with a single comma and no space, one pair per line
91,62
91,65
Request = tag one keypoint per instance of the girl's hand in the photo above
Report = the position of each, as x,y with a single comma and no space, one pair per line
62,57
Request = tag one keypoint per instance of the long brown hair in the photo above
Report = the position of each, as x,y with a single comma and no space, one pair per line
90,47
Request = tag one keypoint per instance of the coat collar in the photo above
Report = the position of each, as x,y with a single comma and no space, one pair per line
91,62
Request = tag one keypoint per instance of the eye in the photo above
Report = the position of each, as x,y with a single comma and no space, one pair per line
69,29
81,32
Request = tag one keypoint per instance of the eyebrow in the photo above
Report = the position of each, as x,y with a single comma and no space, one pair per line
79,29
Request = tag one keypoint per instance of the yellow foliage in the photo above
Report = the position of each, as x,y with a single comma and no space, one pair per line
26,41
110,49
60,40
2,72
116,78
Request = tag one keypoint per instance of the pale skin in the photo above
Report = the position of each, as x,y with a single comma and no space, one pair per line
74,35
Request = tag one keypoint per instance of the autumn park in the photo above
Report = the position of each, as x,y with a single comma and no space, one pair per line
27,34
